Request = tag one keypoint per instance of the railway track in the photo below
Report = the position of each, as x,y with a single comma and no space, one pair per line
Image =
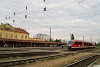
7,55
24,54
84,62
18,62
81,63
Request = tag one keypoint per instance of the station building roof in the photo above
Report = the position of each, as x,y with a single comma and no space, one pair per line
21,30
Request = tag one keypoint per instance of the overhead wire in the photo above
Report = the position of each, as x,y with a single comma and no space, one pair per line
22,8
35,23
19,9
26,8
93,12
57,6
61,9
86,11
62,14
61,5
70,2
60,26
88,14
35,14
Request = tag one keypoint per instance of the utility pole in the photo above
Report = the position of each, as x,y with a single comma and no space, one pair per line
91,38
50,33
83,38
98,39
70,36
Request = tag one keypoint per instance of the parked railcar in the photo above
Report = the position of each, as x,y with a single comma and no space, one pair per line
79,44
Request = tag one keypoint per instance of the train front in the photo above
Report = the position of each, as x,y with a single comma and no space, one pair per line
69,45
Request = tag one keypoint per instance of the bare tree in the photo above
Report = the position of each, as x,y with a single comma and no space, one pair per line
42,36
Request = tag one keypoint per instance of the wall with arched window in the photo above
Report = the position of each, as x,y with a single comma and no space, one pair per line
22,37
25,37
0,34
6,35
11,36
16,36
10,32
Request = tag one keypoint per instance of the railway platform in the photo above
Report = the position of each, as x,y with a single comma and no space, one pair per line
27,51
19,50
11,50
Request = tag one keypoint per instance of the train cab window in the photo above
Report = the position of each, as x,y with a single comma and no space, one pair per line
70,42
85,44
78,43
90,44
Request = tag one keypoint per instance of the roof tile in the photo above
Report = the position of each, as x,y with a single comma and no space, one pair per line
21,30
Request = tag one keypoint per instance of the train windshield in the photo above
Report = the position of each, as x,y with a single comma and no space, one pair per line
70,42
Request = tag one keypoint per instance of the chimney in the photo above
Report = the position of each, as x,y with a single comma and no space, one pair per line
1,23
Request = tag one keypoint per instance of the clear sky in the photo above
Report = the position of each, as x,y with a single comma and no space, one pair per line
79,17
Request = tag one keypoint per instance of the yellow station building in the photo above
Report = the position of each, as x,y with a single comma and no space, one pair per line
14,36
9,32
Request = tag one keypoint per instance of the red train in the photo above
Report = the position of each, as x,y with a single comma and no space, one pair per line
79,44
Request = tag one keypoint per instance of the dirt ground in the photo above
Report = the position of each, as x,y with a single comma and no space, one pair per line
58,62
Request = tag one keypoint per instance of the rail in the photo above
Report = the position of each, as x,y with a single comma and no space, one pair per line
84,62
25,54
18,62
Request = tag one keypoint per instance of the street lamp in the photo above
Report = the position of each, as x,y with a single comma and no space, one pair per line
50,33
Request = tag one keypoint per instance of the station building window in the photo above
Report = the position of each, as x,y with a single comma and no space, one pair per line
0,34
6,35
16,36
22,37
25,37
11,36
